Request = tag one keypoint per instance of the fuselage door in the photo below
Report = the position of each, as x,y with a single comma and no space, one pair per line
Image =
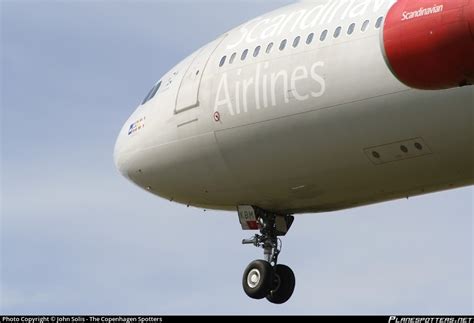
188,93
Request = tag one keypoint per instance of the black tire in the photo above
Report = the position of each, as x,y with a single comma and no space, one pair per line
283,285
258,279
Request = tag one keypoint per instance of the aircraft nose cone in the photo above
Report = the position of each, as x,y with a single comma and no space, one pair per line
119,156
131,154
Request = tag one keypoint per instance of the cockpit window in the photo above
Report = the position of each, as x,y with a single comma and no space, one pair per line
152,93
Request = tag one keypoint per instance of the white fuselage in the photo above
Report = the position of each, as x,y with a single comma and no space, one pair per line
319,126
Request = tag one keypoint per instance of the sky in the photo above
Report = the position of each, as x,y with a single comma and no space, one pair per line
77,238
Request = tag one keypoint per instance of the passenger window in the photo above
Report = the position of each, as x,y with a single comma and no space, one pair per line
309,40
232,58
365,25
296,41
244,54
222,62
323,35
351,28
269,48
337,32
152,93
283,44
378,24
256,51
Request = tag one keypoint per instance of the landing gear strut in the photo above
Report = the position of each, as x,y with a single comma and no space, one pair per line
266,278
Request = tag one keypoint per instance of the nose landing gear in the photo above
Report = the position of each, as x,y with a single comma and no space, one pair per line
266,278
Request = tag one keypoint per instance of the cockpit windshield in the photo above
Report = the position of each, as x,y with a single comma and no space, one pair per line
152,93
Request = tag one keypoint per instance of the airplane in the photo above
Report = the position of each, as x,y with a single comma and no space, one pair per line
314,107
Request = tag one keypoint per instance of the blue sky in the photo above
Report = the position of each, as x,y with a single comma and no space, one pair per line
77,238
